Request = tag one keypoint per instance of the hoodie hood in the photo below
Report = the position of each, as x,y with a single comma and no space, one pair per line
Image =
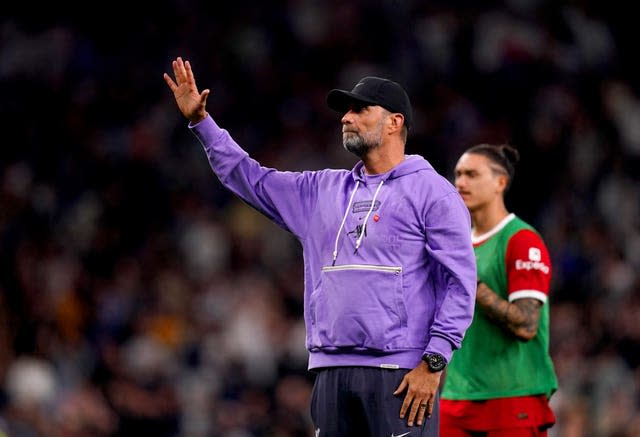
411,164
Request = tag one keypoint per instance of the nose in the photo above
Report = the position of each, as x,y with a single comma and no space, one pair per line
348,117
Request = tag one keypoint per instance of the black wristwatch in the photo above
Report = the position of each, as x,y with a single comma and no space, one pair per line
435,361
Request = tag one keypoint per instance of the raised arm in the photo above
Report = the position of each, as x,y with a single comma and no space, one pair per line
286,198
191,103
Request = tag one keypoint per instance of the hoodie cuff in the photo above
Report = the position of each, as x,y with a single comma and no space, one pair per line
441,346
206,129
207,115
210,134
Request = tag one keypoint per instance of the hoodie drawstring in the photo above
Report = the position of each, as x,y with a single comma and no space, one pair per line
364,225
344,219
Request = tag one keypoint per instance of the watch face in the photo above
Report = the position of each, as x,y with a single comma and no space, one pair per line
436,362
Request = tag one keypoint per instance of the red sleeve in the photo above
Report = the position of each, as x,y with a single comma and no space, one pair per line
528,266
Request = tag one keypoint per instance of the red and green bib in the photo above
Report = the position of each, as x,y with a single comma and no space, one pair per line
514,262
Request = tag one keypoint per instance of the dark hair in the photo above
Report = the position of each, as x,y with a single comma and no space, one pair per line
504,156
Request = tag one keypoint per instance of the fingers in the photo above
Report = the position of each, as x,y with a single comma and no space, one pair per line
172,85
421,387
177,67
179,70
401,387
189,72
419,410
405,406
183,74
203,97
426,408
417,413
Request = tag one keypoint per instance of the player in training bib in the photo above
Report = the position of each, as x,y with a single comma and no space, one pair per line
498,384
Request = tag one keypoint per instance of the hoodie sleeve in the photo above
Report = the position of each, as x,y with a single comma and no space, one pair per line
283,197
448,228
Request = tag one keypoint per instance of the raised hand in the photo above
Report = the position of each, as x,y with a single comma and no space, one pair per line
191,103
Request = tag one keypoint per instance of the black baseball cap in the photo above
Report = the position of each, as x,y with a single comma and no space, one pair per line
373,90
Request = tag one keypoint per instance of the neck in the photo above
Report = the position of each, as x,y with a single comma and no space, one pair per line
486,218
383,159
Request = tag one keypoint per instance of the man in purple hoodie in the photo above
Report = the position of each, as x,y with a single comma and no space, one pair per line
390,273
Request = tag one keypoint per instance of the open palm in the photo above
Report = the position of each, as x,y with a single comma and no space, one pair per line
191,103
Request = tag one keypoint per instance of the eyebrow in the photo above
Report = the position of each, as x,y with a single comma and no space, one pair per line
359,106
465,170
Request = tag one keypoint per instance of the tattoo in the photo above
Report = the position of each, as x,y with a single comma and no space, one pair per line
520,317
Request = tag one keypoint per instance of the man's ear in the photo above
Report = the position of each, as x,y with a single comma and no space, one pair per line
503,181
396,122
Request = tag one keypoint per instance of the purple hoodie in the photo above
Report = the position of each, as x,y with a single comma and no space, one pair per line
389,269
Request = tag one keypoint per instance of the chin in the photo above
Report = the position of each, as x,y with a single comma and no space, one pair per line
472,207
467,202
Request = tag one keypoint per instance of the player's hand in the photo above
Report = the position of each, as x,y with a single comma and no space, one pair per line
191,103
421,385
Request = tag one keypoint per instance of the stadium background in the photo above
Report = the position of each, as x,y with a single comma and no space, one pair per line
137,294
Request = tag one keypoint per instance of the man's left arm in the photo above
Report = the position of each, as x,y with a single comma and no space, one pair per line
528,269
447,226
448,230
519,317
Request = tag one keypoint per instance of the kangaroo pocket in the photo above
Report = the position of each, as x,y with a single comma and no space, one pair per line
359,306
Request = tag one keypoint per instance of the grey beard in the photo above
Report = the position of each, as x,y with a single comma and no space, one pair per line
358,145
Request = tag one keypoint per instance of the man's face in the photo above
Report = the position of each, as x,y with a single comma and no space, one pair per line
477,182
362,128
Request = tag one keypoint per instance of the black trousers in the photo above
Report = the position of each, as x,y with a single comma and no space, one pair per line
359,401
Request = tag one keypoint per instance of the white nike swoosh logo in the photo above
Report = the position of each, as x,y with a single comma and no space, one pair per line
400,435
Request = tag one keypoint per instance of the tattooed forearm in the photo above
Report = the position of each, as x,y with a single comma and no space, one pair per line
519,317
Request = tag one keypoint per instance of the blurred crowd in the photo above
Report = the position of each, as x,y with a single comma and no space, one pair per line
137,296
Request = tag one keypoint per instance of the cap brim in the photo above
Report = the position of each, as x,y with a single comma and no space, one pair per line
340,100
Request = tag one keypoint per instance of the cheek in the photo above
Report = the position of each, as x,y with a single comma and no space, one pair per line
482,191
